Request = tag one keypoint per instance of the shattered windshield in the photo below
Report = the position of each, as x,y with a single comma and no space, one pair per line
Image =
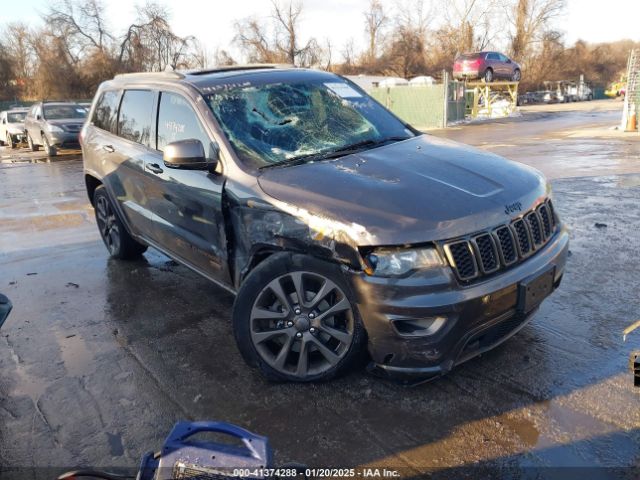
280,123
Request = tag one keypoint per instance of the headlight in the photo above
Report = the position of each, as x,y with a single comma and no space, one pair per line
386,262
54,128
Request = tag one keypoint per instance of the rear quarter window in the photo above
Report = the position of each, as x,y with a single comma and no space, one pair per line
105,115
134,118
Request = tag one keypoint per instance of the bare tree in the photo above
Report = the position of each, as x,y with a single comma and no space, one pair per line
80,24
375,21
223,58
151,45
19,50
531,21
255,41
280,41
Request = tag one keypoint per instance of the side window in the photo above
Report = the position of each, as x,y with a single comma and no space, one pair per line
178,121
492,56
106,111
134,119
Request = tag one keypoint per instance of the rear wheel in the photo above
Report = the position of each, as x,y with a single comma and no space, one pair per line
488,75
516,76
120,244
294,319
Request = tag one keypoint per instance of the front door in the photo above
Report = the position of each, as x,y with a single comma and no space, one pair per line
187,204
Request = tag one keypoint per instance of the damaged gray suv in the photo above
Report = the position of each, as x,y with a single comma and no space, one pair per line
341,230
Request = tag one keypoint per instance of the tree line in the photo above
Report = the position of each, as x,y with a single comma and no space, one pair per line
75,49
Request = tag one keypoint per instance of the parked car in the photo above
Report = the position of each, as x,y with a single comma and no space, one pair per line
12,126
487,66
54,125
337,225
616,89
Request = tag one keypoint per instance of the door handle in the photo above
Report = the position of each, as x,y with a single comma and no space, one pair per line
109,148
154,167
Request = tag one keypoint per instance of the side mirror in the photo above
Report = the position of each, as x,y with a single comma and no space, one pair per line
189,155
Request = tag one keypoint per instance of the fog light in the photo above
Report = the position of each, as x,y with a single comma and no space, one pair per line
419,327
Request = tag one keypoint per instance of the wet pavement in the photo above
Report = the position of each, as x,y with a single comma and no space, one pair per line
99,358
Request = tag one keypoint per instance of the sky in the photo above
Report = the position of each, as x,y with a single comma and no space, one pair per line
338,20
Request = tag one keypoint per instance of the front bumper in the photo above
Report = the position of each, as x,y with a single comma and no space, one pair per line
479,316
65,139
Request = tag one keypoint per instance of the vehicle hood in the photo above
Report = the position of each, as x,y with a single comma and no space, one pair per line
14,126
418,190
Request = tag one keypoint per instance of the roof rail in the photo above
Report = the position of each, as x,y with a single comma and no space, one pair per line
169,75
232,68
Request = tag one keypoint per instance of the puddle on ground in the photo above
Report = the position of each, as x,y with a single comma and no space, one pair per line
28,384
76,356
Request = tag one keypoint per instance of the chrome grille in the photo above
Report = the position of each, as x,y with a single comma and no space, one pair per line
487,252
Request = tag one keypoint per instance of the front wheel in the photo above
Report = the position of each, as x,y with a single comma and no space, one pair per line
50,149
32,146
516,76
119,242
10,142
294,319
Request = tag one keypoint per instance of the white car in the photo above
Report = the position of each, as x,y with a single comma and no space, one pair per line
12,127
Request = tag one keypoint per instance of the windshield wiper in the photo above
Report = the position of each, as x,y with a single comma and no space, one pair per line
337,152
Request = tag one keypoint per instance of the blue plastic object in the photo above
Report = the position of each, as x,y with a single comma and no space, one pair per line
185,457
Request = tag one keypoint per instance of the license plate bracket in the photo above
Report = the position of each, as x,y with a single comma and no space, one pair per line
533,290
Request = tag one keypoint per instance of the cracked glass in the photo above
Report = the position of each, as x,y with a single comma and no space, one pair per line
283,122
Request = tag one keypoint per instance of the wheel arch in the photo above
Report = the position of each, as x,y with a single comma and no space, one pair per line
91,183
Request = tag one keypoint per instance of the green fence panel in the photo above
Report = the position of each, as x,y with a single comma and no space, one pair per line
598,93
422,107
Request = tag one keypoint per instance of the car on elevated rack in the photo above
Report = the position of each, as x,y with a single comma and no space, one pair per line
486,66
54,125
338,226
12,126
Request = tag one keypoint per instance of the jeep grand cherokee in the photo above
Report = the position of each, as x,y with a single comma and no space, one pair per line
338,226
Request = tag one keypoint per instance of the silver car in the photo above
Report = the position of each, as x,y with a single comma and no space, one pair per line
12,126
54,125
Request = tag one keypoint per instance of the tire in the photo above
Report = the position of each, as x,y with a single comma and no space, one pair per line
10,141
116,238
517,75
32,146
50,149
488,75
272,324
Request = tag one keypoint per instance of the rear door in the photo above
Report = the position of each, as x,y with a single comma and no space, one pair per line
187,204
506,66
493,61
118,145
31,124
